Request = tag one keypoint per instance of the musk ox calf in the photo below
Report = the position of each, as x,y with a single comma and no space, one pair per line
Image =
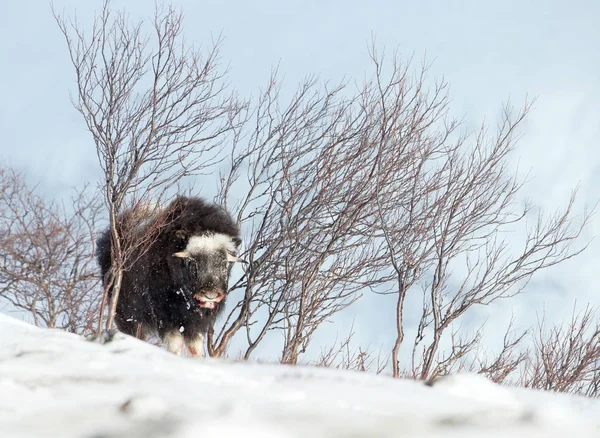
177,285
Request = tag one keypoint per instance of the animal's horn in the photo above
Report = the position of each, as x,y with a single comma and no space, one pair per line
233,259
182,254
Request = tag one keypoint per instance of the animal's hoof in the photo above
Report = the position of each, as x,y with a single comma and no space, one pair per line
103,337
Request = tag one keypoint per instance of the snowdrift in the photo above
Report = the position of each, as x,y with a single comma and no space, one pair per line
56,384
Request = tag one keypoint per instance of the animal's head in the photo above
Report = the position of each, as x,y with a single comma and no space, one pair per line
203,266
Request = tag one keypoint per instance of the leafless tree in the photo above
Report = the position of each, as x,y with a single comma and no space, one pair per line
474,207
47,265
447,205
304,169
157,109
377,189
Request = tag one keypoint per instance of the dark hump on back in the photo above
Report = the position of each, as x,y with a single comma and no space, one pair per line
103,250
195,216
128,221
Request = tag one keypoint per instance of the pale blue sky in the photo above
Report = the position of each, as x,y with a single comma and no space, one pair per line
487,50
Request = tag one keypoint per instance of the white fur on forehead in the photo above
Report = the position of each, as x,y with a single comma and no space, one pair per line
209,243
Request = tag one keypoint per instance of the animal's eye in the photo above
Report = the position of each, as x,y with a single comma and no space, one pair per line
189,261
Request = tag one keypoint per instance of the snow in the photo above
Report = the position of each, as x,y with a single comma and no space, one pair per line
54,383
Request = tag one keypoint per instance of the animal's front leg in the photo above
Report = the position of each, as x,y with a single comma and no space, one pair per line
174,341
196,345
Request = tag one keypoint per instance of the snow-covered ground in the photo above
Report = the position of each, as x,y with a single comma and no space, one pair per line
55,384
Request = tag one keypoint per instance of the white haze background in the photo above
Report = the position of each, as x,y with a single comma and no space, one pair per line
487,51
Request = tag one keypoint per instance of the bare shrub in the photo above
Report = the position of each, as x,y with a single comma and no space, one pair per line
47,266
565,357
346,355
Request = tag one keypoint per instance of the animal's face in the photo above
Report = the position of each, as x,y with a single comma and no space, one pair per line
203,267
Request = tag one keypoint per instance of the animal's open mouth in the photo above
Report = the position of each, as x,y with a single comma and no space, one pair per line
206,302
